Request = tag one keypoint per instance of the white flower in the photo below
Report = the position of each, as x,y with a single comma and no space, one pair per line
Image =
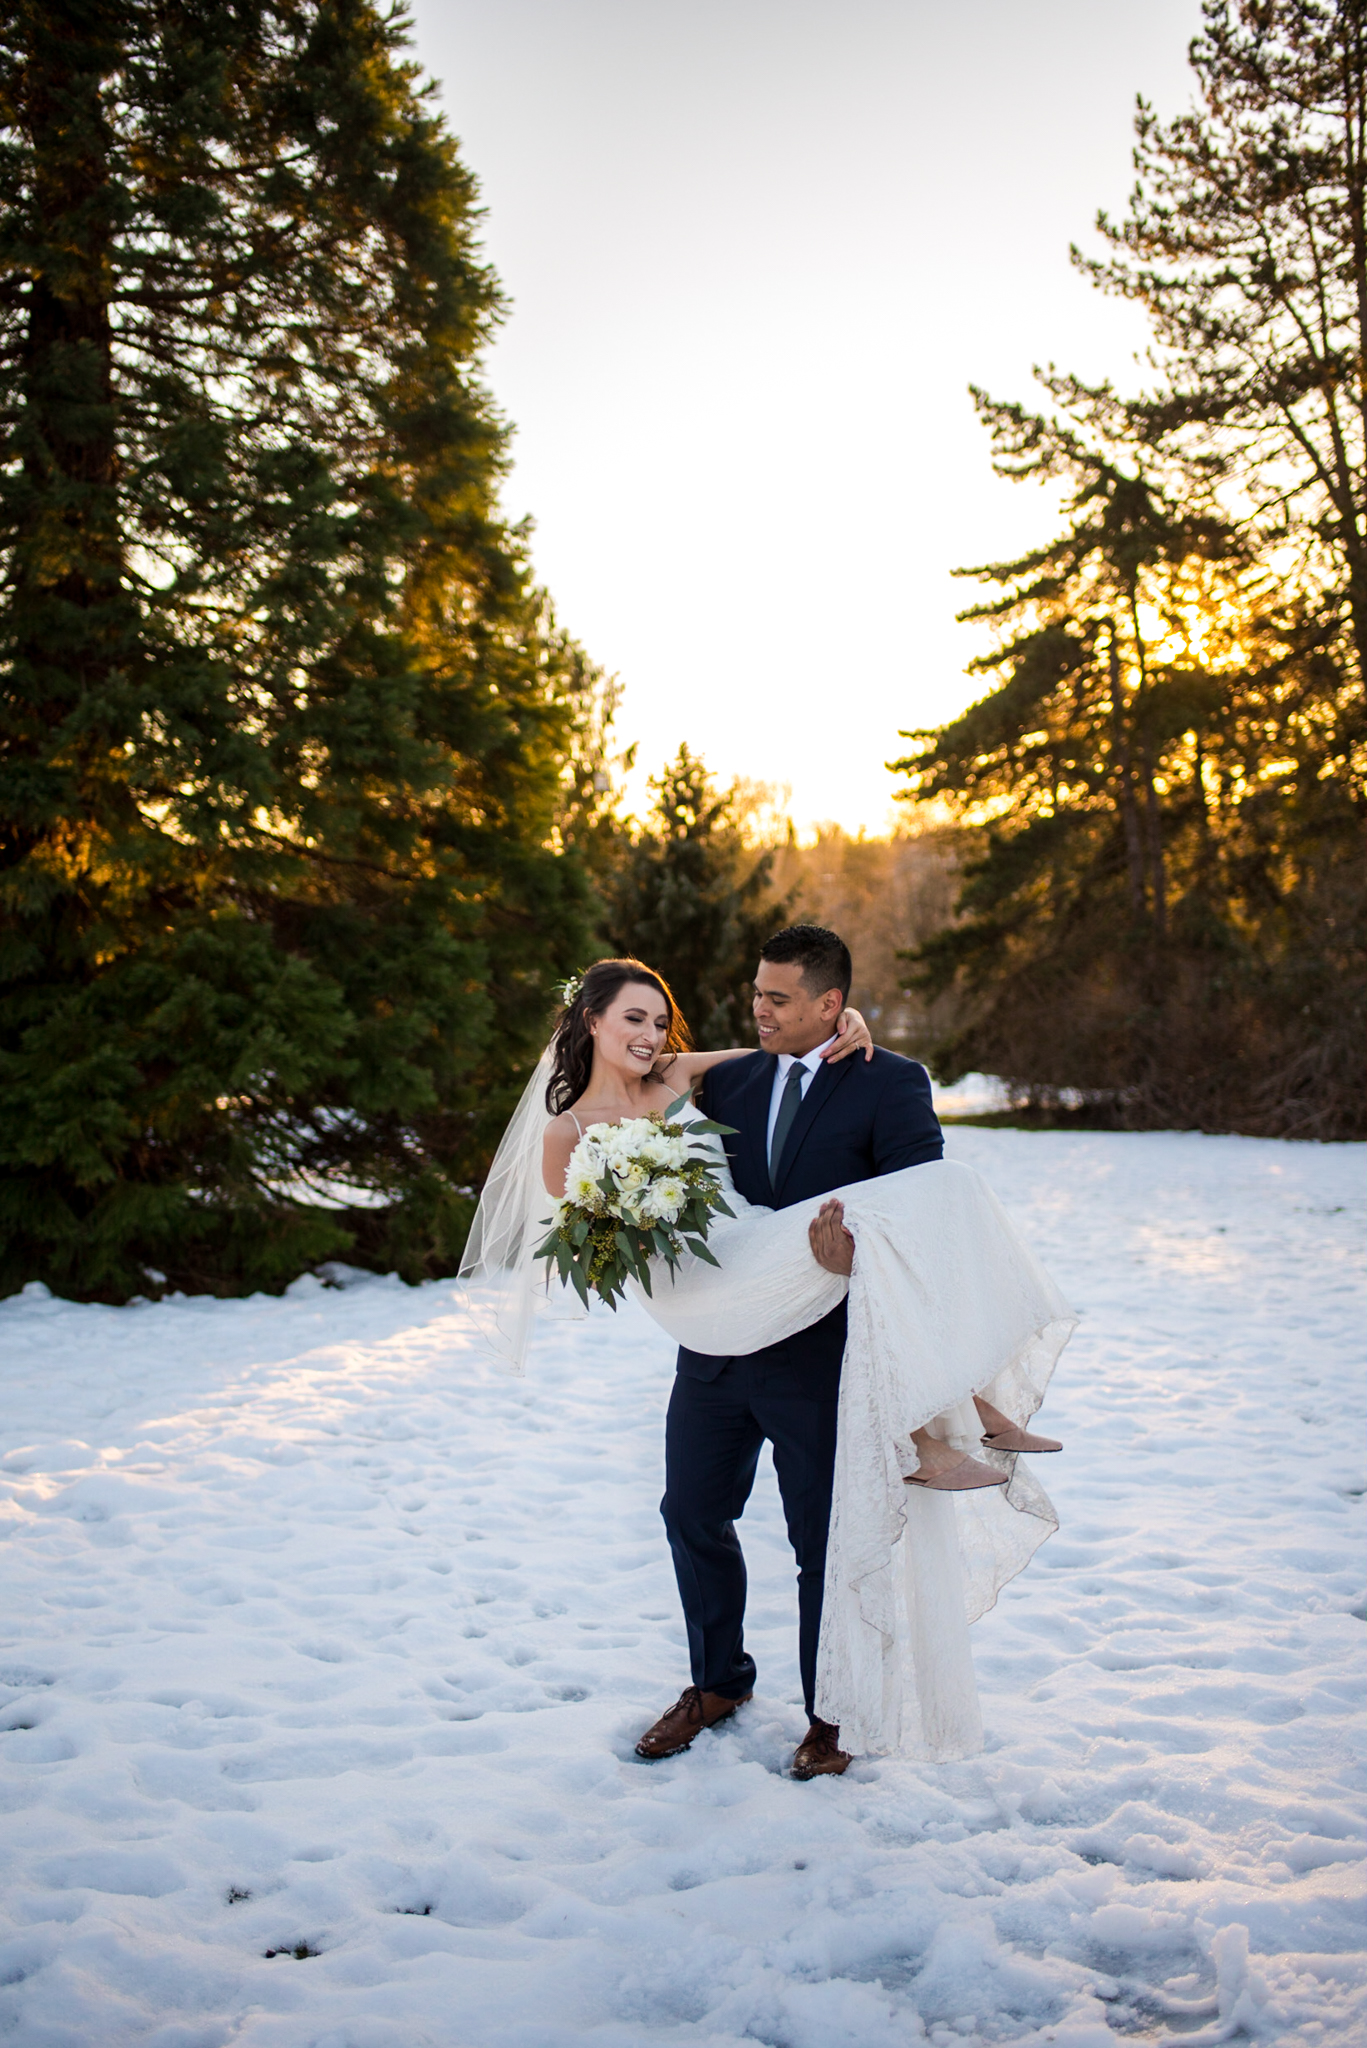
624,1145
588,1154
664,1199
581,1182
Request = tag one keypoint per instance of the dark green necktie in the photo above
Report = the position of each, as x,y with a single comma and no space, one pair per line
788,1108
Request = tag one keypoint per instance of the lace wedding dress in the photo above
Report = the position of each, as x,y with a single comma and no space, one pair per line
945,1302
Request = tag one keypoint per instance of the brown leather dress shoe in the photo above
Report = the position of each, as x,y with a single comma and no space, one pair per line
675,1730
819,1754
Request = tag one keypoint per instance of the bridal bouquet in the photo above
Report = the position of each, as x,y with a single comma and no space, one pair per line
634,1191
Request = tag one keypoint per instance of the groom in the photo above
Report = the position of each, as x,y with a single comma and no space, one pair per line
803,1127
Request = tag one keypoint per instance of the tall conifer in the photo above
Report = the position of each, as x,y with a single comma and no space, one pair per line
1166,907
690,898
1246,244
284,725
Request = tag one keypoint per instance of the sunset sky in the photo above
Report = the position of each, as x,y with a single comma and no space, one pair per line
756,251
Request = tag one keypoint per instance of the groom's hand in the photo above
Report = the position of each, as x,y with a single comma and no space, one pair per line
832,1245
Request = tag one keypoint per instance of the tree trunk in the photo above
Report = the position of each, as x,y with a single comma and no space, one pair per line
1153,819
1134,849
1355,162
67,553
1198,786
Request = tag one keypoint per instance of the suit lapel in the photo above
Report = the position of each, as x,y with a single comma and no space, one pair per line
754,1123
824,1083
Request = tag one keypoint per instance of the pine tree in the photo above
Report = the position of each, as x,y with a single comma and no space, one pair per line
690,898
1246,244
285,725
1160,910
1167,907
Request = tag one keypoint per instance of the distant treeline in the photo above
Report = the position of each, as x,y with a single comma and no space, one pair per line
1162,802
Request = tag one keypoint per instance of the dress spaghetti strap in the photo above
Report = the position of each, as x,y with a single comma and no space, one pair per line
577,1125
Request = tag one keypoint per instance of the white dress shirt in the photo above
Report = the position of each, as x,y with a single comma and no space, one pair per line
810,1063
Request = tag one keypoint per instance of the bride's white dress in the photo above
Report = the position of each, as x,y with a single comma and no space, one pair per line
945,1302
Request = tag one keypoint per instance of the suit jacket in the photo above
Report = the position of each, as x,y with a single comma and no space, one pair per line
859,1118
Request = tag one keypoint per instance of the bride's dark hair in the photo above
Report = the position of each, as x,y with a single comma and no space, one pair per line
572,1045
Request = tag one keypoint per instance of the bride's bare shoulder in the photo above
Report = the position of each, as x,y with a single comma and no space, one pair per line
566,1125
561,1137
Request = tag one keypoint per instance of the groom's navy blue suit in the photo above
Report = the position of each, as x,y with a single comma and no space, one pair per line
859,1118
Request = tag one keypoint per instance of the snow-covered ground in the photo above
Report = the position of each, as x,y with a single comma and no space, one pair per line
324,1647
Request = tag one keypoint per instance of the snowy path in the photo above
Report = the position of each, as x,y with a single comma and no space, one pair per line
318,1635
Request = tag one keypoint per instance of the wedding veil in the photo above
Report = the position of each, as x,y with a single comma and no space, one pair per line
502,1283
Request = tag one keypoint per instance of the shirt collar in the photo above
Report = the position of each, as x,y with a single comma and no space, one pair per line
811,1060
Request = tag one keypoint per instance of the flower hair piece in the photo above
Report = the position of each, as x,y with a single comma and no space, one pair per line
569,988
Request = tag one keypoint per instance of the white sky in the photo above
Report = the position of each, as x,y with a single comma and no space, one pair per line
756,250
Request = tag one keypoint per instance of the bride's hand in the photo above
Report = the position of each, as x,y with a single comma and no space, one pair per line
852,1035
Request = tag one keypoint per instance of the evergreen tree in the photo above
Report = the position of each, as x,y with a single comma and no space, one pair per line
1164,906
1167,907
692,900
285,726
1246,244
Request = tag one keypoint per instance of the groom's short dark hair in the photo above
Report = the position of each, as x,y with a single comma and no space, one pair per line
823,957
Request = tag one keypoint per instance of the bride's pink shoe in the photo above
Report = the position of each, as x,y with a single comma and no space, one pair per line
964,1477
1000,1433
1014,1439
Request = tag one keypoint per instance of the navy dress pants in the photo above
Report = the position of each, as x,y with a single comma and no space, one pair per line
712,1443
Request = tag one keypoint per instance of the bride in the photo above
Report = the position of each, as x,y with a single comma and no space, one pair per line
953,1328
